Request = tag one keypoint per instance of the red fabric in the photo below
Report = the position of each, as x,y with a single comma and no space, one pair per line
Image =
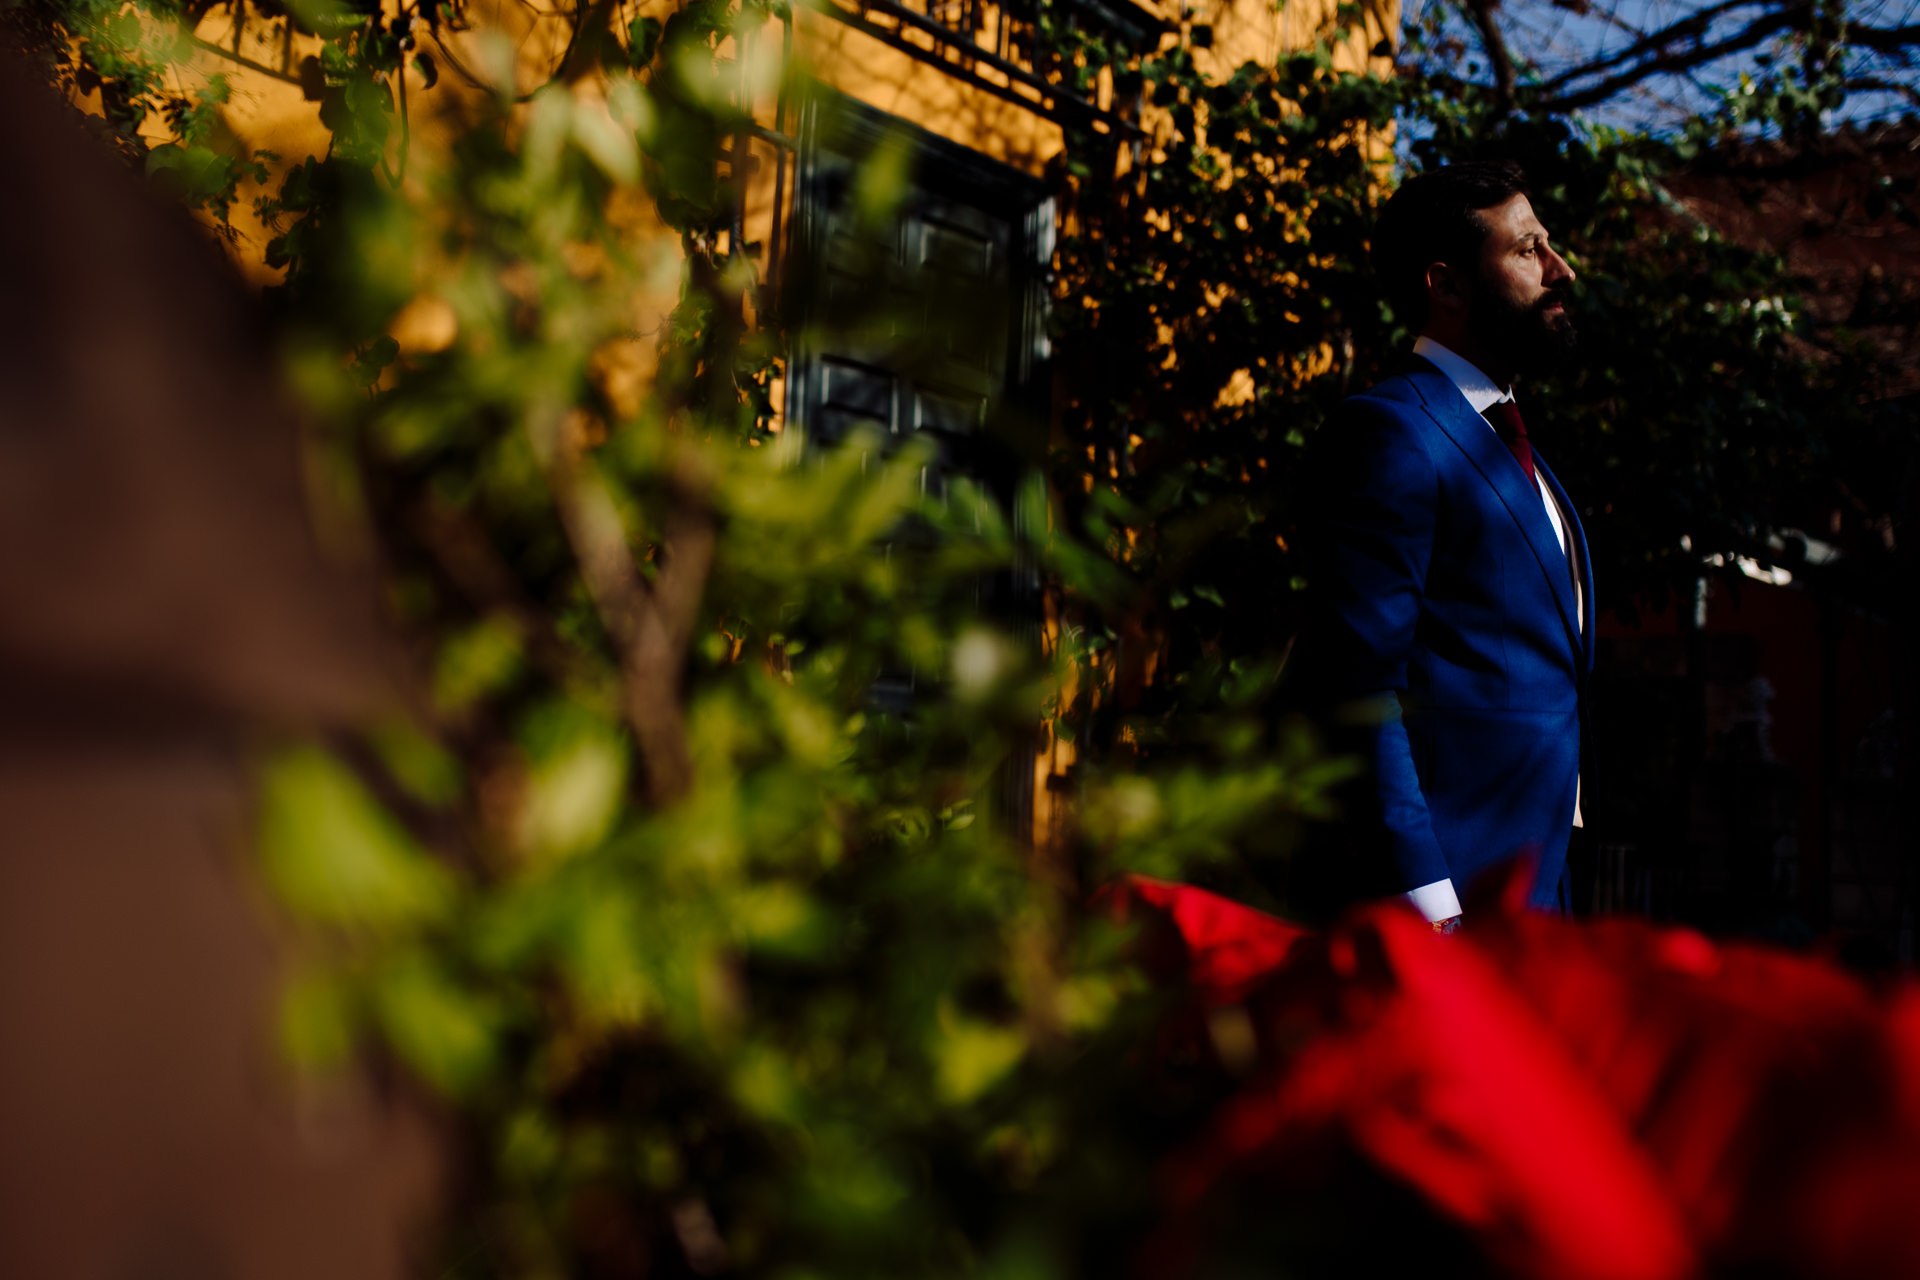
1505,418
1589,1101
1222,947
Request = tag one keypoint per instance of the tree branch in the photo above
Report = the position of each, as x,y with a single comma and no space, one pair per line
1692,26
1759,30
1653,53
1874,84
649,627
1883,39
1495,43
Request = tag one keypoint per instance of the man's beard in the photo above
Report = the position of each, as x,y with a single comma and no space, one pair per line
1538,341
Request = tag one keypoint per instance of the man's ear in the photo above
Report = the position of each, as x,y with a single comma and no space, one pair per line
1446,288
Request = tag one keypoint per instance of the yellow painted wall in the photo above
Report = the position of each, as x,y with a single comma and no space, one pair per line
1243,31
512,39
271,113
1261,30
870,71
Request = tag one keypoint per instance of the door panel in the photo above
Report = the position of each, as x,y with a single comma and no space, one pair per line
931,320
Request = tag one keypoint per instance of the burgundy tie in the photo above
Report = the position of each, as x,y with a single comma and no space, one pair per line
1505,418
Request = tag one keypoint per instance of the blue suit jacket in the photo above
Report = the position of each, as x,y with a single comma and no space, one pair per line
1445,615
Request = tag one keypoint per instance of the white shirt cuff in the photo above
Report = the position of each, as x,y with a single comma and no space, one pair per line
1436,901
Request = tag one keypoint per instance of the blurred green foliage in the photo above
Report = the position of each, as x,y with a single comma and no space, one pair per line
722,962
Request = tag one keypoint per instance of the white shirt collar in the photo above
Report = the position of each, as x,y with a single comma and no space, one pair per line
1476,386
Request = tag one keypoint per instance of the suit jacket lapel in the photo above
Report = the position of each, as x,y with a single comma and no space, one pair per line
1475,438
1578,535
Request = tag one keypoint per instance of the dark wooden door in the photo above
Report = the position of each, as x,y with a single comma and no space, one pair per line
924,312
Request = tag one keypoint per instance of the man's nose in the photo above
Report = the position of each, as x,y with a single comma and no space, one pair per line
1558,272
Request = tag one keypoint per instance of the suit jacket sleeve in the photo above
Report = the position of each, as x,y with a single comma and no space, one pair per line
1373,510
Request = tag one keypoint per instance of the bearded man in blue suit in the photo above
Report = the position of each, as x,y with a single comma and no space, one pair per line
1452,629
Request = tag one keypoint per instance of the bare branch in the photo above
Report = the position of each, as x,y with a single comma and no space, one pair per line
1678,48
1495,44
656,658
1693,26
690,539
648,626
1883,39
1752,35
1874,84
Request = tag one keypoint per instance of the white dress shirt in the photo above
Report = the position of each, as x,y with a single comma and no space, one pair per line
1439,901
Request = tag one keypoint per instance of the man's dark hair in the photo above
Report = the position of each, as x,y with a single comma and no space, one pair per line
1435,217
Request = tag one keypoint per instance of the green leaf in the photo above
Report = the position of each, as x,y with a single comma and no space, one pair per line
643,39
426,770
604,961
335,856
442,1030
317,1022
577,782
192,174
970,1056
476,662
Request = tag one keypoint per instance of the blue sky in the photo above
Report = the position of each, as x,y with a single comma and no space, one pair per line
1554,38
